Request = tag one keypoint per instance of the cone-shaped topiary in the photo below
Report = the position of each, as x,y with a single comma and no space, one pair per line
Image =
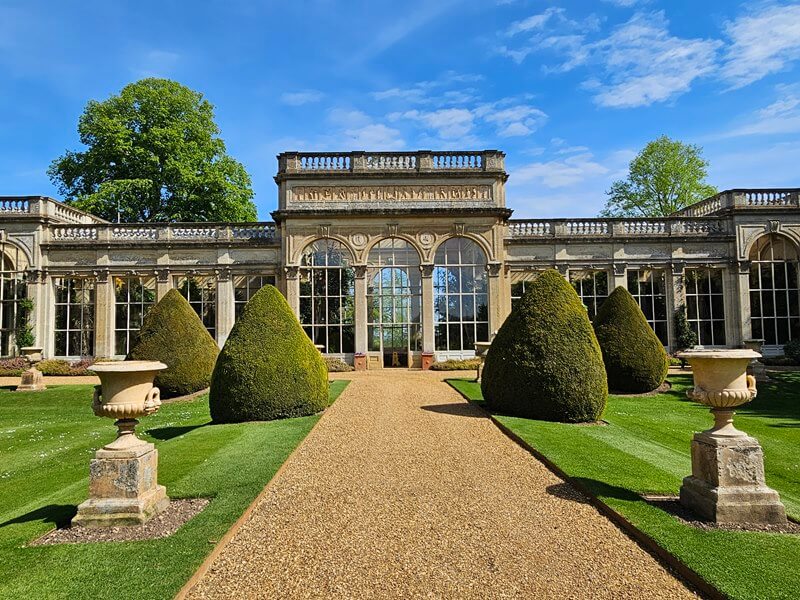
269,368
544,362
634,356
173,333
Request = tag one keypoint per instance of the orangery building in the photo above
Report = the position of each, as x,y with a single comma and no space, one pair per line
396,259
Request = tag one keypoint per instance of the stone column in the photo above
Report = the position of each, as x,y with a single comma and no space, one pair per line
37,292
293,288
669,293
678,296
360,308
741,284
495,297
428,326
105,300
226,313
731,302
163,283
618,277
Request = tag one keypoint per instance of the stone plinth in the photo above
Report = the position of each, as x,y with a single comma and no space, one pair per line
123,488
428,359
32,380
727,483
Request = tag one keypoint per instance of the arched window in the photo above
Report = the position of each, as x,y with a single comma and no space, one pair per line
394,299
460,296
12,290
326,296
774,303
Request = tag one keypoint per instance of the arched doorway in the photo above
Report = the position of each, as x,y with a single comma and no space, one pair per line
774,294
394,298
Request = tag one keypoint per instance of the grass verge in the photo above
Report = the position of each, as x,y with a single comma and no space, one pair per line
645,449
46,442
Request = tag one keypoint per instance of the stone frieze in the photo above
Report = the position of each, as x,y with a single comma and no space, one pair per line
399,193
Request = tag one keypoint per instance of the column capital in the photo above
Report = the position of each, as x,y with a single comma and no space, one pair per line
360,271
494,269
292,272
427,270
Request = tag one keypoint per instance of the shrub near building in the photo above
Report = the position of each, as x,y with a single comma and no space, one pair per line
544,362
635,359
173,334
269,368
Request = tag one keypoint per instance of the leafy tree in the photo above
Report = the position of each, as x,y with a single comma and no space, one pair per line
665,176
153,154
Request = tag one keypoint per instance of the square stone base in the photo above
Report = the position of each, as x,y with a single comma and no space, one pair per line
31,381
123,488
727,482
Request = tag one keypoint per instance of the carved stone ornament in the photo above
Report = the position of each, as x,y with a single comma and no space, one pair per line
427,270
677,268
774,226
426,238
619,269
459,229
494,269
360,271
392,229
359,240
324,230
292,272
162,275
397,193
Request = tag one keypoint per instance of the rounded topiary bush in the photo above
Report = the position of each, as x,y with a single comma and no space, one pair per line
269,368
544,362
635,359
173,334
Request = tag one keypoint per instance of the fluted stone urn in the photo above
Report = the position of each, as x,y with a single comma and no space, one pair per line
123,486
727,482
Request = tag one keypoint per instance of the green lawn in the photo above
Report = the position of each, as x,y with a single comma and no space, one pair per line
645,448
46,442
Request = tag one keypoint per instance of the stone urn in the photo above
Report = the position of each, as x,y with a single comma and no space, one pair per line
123,486
727,483
481,348
32,379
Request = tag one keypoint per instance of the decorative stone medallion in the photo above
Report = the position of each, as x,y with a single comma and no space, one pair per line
359,240
426,238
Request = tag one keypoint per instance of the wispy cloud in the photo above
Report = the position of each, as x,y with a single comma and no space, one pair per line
762,42
156,63
357,130
434,91
780,117
302,97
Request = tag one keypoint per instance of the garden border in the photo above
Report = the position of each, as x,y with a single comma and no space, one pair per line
645,541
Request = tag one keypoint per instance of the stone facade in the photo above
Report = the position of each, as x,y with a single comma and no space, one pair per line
391,257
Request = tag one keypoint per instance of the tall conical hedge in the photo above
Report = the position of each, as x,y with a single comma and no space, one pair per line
634,356
268,368
173,334
544,362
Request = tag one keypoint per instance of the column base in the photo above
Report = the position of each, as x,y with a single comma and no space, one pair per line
727,482
427,360
360,361
123,488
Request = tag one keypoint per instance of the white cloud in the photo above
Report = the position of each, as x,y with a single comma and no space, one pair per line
763,42
533,22
516,120
782,116
625,3
449,123
156,63
357,130
302,97
561,173
434,92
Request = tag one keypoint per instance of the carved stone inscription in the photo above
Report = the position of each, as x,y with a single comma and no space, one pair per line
392,193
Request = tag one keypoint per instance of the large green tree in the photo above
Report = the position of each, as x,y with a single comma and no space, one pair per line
153,153
665,176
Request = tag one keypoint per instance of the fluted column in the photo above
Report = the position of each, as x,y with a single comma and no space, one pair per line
104,298
226,313
360,313
428,328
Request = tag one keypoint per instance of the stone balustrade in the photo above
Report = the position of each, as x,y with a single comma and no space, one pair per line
14,205
664,227
45,208
743,199
163,232
410,162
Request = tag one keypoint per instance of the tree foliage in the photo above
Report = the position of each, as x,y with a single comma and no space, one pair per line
153,153
666,176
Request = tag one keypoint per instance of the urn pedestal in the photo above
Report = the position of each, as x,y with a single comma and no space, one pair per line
123,476
32,379
727,481
481,348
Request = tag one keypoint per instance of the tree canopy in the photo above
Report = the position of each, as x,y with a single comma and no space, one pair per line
665,176
153,153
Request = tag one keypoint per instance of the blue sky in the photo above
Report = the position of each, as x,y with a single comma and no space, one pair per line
569,90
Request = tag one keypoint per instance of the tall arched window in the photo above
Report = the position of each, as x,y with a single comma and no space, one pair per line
460,295
326,296
12,290
774,302
394,301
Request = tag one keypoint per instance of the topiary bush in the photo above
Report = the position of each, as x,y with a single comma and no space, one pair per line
337,365
173,334
545,362
467,364
269,368
791,350
635,359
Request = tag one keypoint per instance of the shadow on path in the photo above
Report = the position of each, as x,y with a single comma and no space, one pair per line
459,409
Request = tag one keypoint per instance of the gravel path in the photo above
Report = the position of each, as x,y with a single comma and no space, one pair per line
405,490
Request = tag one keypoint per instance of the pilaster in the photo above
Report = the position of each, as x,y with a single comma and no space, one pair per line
292,275
163,283
360,314
105,300
618,277
496,315
226,313
428,327
740,287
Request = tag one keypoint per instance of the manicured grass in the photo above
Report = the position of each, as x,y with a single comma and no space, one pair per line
645,449
46,442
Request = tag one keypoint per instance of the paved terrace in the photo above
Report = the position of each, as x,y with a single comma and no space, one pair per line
405,490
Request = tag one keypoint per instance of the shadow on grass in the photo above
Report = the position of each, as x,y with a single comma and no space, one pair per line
466,409
58,514
167,433
602,490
